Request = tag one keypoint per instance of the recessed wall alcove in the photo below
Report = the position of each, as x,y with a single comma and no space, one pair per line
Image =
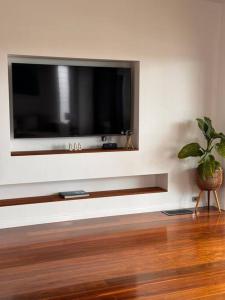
97,188
87,142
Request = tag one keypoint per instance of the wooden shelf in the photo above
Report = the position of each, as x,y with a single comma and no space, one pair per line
52,152
99,194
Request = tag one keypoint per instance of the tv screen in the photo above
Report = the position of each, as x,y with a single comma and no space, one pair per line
67,101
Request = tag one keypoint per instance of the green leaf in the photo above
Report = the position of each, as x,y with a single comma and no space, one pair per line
219,135
217,165
208,122
206,127
210,131
202,125
220,148
190,150
207,168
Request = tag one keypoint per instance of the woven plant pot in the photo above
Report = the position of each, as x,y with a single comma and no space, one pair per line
211,183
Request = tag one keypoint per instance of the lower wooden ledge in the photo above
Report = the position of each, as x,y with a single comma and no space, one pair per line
93,195
65,151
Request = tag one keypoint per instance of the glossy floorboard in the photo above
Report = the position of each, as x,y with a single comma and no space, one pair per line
144,256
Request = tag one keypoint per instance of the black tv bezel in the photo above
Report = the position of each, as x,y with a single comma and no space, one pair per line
11,111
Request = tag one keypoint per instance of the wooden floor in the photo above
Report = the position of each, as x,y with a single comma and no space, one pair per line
145,256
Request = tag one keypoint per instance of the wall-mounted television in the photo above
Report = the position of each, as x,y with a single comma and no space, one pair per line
70,101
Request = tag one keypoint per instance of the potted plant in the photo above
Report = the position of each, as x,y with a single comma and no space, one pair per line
209,170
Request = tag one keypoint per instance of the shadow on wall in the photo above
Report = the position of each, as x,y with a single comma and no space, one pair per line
183,171
187,132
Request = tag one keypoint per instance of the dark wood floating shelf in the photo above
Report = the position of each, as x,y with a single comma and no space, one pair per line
50,152
99,194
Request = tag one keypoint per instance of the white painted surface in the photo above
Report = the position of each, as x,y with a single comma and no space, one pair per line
218,106
71,210
177,43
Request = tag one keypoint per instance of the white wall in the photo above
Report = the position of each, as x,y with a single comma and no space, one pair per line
177,43
218,105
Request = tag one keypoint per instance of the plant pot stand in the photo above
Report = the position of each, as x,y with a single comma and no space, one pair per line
209,192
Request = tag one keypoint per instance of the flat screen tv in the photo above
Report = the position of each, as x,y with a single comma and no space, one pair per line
69,101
